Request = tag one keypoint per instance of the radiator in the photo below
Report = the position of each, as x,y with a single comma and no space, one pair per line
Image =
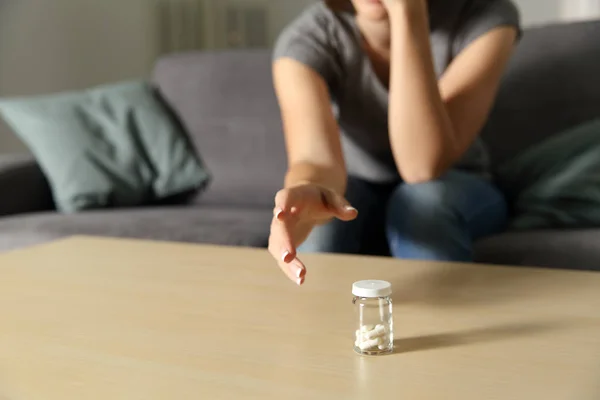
185,25
181,25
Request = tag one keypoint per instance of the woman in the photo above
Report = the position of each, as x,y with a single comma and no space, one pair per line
382,102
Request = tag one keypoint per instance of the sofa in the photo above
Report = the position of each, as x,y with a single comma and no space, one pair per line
226,102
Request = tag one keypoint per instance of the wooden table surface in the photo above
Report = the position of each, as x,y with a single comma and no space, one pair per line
88,318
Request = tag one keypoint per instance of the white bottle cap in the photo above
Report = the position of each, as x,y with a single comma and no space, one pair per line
371,288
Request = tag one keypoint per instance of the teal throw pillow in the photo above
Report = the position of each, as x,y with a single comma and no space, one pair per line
110,146
556,184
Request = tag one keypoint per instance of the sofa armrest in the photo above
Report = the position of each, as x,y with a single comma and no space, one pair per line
23,186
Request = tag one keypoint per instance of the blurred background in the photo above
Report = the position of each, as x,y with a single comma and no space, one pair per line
48,46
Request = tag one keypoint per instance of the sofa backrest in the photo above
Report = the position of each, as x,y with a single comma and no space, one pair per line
552,83
226,102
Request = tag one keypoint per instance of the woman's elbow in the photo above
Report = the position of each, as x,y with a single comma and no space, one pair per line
421,172
419,177
425,166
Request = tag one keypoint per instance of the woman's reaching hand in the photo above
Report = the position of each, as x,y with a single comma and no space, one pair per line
297,210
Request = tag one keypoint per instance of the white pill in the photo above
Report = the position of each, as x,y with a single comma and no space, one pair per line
369,344
367,328
379,331
382,347
382,309
360,337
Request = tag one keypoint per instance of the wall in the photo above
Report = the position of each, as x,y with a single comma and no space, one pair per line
536,12
48,46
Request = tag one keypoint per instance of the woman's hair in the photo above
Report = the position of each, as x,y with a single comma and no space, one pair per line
340,5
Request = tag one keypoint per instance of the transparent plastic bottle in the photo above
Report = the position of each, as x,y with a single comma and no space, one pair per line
374,333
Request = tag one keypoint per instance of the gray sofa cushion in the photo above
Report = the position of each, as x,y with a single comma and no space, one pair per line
213,225
568,249
227,103
552,84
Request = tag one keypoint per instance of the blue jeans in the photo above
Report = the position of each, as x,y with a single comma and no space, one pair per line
437,220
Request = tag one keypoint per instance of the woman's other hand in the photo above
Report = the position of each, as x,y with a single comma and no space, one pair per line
297,210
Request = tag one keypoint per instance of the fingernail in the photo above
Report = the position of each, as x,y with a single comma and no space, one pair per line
299,281
284,256
350,208
278,213
299,272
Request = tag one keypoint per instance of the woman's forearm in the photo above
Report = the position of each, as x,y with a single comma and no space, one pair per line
421,133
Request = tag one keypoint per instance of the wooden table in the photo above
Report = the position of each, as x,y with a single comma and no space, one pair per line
89,318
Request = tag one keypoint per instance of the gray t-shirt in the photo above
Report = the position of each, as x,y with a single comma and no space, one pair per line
330,43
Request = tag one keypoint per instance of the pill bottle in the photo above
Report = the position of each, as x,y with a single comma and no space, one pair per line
374,333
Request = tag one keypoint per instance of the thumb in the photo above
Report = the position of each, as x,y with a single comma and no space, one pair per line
340,207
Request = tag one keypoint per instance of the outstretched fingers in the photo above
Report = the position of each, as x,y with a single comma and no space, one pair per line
283,250
339,206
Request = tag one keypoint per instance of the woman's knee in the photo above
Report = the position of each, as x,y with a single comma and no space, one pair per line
440,219
419,200
422,224
454,193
